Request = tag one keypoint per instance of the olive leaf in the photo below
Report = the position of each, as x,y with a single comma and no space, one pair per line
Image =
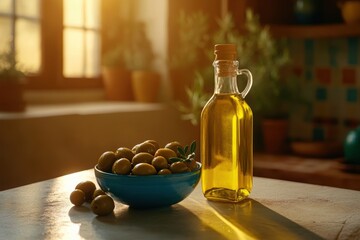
183,155
193,147
186,149
181,151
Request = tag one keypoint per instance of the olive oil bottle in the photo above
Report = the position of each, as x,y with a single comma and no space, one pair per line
226,132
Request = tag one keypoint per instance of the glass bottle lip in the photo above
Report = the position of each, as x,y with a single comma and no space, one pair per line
224,68
217,63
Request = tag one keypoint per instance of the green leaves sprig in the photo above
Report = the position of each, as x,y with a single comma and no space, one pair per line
186,154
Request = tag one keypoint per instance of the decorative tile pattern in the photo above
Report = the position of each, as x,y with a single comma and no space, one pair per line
323,75
330,69
353,51
321,94
352,95
349,76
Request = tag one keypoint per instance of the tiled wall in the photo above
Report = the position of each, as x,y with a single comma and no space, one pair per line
329,70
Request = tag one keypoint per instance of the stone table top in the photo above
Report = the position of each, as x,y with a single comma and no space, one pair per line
276,209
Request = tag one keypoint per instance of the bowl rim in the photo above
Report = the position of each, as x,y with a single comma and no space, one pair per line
174,175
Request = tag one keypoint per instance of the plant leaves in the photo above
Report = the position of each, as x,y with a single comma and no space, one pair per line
186,149
176,159
181,151
193,147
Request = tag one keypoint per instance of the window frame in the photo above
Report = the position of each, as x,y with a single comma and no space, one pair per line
51,72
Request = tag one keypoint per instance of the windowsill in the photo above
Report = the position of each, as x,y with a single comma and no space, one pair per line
88,108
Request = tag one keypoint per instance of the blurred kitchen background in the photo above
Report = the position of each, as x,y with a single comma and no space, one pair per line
80,77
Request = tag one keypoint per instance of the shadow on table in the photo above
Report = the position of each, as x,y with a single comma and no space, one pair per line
260,222
175,222
212,220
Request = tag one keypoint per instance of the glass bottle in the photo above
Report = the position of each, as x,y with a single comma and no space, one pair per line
226,132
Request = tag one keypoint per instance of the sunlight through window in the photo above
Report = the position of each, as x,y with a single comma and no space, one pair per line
20,29
81,38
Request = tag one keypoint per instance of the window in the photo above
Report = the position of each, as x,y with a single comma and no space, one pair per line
81,38
21,30
57,42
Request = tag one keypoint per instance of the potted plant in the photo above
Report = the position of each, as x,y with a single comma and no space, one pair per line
11,83
115,69
140,57
191,36
116,76
265,58
272,90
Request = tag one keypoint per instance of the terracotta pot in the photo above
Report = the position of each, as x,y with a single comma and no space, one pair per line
11,96
117,84
146,85
350,11
275,132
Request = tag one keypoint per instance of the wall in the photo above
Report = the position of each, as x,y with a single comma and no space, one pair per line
50,141
329,70
155,13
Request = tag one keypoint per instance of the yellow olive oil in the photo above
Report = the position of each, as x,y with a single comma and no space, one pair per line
226,133
226,136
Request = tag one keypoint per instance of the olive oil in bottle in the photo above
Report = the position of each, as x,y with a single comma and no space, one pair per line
226,133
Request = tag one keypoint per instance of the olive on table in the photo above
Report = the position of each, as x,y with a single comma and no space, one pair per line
106,161
159,162
77,197
102,205
142,158
122,166
98,192
124,152
88,187
143,169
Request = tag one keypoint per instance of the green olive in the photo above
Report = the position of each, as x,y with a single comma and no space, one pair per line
122,166
77,197
135,147
167,153
142,158
106,161
98,192
179,167
146,147
153,142
159,162
102,205
88,187
192,165
164,171
124,152
174,146
144,169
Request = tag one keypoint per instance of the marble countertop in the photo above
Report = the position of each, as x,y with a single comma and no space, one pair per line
276,209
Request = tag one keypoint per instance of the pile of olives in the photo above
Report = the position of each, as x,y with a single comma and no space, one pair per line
101,204
148,158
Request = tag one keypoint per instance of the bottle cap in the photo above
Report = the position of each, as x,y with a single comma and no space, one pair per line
225,52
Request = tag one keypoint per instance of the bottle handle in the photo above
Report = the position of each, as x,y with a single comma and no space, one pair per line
249,81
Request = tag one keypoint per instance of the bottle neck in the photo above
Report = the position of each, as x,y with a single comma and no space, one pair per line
226,76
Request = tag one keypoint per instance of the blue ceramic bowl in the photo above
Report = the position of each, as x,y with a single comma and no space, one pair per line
148,191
